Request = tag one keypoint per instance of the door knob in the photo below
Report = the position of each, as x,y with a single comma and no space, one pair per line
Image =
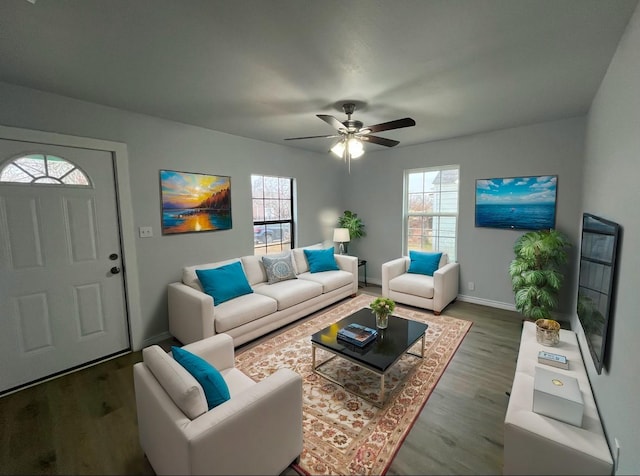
115,270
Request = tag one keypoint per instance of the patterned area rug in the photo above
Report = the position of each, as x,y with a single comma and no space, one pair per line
344,434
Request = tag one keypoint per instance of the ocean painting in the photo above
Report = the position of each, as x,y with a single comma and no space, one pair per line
527,203
193,202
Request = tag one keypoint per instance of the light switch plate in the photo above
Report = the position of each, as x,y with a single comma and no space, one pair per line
146,232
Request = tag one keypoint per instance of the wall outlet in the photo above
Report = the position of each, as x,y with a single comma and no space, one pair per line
616,456
471,286
146,232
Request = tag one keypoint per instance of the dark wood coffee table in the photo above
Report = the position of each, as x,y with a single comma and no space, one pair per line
400,335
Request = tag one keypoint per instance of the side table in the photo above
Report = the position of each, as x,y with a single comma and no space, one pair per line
363,263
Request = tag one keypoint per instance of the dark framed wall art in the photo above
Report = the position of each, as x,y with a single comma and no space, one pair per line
526,203
193,202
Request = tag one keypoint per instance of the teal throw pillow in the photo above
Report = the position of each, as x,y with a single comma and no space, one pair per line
224,283
321,260
423,262
215,388
278,268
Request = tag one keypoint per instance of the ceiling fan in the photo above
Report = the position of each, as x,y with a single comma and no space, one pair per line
352,133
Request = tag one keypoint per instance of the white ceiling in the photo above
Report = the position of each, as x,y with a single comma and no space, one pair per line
264,68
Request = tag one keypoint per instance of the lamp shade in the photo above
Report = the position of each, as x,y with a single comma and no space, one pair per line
354,146
356,149
338,149
341,235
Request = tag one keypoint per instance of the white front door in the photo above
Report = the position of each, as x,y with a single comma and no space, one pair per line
62,298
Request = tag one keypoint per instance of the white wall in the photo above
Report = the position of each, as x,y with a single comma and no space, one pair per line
484,254
155,144
612,167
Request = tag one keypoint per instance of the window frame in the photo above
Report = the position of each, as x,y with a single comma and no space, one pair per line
266,223
406,215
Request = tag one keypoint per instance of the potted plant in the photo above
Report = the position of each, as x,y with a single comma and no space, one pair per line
536,278
353,223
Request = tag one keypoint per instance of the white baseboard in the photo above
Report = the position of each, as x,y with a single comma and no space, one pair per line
374,281
487,302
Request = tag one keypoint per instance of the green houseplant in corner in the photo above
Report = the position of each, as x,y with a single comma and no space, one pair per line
353,223
536,278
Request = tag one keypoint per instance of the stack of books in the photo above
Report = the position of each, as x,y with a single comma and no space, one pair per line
357,334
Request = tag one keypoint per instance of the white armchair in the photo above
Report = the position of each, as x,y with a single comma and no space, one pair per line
257,431
428,292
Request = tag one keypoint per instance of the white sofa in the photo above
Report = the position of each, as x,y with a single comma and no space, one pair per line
428,292
194,316
257,431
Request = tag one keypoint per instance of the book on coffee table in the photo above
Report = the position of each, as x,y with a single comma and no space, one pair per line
357,334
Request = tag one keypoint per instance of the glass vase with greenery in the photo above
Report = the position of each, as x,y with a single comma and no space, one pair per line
535,272
382,307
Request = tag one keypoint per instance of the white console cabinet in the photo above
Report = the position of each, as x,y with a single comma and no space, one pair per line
536,444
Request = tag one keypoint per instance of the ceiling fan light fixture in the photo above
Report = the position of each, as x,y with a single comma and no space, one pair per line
352,134
354,146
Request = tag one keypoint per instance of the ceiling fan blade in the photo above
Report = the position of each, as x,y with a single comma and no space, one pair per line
332,121
312,137
387,126
379,140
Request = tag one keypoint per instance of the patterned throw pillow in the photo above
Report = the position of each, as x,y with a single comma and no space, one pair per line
279,268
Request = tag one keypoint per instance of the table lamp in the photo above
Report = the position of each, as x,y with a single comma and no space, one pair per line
341,235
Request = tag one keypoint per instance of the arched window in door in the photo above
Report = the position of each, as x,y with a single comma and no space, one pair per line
43,169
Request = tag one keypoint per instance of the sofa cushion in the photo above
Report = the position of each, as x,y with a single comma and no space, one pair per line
254,269
190,278
424,262
225,282
211,380
330,280
415,284
300,262
180,385
242,310
321,260
279,268
290,293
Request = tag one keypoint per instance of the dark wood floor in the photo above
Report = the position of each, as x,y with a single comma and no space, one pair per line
460,429
85,422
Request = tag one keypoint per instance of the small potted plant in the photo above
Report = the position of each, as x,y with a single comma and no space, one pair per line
536,279
382,307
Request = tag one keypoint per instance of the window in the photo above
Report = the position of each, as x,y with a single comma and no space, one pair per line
43,169
272,199
431,209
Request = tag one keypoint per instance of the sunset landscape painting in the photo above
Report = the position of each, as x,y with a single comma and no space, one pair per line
193,202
